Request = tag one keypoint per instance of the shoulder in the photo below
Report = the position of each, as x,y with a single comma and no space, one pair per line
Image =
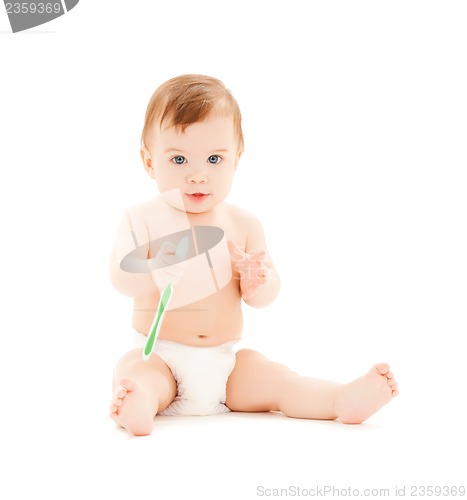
141,209
243,217
250,227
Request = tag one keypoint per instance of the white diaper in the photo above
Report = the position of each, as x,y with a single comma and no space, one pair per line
201,374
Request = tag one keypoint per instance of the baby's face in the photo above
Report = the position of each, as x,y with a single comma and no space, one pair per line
200,162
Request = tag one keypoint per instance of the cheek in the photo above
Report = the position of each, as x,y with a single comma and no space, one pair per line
166,183
225,183
168,174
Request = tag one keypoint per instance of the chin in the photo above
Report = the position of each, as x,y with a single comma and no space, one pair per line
198,210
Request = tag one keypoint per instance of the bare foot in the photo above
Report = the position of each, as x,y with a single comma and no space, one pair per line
131,409
366,395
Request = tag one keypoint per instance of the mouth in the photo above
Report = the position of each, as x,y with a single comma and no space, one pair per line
198,197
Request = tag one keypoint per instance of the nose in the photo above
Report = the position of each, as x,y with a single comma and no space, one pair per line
197,178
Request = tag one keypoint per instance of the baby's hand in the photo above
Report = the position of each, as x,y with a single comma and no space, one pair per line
251,267
167,266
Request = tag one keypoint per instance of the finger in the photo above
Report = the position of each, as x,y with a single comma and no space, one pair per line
263,272
261,276
168,248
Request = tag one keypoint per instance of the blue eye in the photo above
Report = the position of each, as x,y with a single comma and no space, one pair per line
214,159
179,160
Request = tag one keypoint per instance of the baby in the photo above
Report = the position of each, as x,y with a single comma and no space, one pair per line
191,144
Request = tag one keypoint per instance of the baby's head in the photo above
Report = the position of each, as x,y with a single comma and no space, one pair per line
188,99
192,140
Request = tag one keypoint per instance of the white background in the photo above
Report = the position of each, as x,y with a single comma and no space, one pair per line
355,126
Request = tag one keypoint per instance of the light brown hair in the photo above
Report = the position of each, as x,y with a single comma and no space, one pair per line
188,99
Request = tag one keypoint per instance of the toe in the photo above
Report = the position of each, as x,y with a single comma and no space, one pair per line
392,383
382,368
121,393
127,384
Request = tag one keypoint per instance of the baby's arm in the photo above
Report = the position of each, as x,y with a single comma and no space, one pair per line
260,282
131,233
131,284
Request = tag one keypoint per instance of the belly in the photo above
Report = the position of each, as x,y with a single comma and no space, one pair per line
212,321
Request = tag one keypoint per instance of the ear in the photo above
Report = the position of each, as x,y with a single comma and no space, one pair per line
147,160
237,158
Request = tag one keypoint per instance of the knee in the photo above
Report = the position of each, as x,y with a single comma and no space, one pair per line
132,356
247,355
128,359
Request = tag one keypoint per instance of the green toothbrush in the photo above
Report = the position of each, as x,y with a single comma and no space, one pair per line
156,324
166,295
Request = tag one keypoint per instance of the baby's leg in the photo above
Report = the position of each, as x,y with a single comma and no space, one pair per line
141,390
257,384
